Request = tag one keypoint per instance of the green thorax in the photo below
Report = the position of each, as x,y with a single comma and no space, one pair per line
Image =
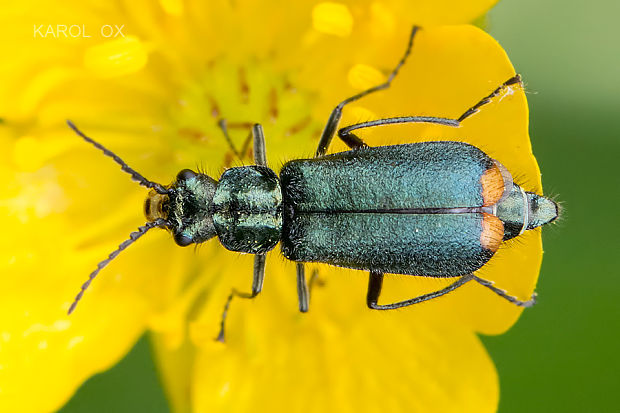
247,209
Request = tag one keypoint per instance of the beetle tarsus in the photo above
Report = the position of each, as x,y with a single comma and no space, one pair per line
516,79
257,287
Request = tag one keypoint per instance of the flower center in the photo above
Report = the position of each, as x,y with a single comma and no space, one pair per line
242,95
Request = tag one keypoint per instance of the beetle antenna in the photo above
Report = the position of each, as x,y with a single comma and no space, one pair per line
133,237
504,294
134,175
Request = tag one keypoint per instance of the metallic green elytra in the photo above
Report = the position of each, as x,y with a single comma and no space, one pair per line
438,209
433,209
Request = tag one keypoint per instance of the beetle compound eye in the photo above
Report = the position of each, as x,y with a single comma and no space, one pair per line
182,240
185,175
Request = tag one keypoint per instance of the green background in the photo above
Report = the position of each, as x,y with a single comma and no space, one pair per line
563,354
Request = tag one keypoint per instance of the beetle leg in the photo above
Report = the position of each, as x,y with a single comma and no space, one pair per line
223,125
257,286
503,294
376,281
515,80
353,141
302,288
336,115
258,137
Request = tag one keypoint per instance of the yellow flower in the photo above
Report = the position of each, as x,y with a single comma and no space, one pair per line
150,82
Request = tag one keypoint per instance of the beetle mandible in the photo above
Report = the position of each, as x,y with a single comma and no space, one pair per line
438,209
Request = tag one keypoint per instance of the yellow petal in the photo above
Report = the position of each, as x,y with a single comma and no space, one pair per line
173,7
364,77
67,210
376,362
116,57
332,18
176,368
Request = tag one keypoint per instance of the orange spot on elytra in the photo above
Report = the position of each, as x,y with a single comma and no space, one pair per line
492,186
492,232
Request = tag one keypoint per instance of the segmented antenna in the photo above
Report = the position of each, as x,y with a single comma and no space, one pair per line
133,237
134,175
504,294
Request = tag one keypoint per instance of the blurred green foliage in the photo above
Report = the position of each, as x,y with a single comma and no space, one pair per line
563,354
130,386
